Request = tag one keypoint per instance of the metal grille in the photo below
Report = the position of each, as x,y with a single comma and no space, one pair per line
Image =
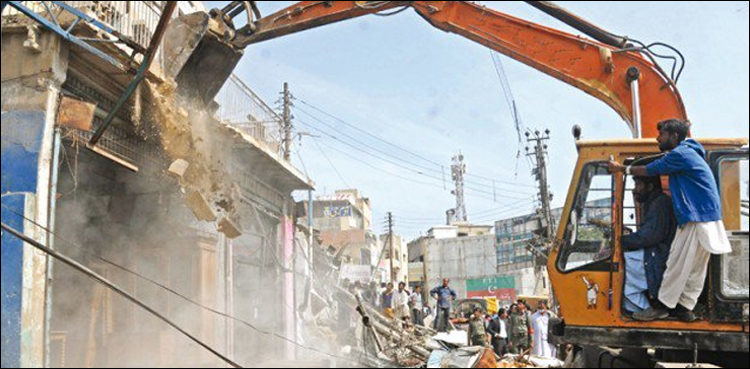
134,19
77,87
242,108
117,140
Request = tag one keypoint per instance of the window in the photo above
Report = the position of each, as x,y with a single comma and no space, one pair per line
588,234
733,179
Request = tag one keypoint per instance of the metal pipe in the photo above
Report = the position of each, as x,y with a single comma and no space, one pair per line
148,58
51,201
579,23
632,76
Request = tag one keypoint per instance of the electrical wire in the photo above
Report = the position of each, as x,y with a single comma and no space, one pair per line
397,163
90,273
331,163
167,288
438,166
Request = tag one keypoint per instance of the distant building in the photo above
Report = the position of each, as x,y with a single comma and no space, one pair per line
400,259
444,254
343,220
512,236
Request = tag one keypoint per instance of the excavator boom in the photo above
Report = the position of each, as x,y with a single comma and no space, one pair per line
602,70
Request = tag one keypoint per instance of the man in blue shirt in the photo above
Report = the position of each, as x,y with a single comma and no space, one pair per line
697,206
444,295
646,250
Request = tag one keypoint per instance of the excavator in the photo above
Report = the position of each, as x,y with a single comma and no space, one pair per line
585,260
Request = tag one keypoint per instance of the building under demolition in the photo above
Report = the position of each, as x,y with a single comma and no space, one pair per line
193,199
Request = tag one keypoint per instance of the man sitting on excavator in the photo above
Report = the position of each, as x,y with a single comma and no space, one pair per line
646,250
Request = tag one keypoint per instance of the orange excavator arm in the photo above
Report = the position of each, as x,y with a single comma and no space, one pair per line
602,70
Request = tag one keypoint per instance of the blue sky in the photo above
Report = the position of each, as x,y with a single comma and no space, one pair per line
435,93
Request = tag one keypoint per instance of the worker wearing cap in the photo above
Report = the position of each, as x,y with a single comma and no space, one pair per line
477,331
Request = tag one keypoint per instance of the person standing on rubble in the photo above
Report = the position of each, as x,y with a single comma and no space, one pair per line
520,328
386,300
540,325
401,302
444,295
477,331
415,303
497,329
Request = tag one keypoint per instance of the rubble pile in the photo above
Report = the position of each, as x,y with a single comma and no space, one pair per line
390,343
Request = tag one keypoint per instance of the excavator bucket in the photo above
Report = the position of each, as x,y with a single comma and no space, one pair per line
197,57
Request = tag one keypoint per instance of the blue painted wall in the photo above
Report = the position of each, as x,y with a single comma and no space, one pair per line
21,141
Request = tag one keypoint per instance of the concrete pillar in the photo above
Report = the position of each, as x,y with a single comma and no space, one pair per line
34,66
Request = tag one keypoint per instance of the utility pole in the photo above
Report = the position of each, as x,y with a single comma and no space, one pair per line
458,169
287,122
539,245
540,172
390,240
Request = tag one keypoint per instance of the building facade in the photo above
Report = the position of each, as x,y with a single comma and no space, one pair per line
123,210
460,259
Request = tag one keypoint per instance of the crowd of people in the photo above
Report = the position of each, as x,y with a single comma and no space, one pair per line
512,329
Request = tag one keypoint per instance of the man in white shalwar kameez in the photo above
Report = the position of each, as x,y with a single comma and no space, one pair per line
540,325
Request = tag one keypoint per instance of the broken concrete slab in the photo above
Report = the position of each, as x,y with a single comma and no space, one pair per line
178,167
200,206
228,227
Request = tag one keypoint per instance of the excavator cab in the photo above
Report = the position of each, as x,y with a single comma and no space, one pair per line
586,267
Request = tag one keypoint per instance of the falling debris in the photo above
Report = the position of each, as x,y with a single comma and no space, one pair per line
178,167
197,162
200,207
228,227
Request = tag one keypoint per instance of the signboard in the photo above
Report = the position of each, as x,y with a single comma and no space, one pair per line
354,272
337,211
503,288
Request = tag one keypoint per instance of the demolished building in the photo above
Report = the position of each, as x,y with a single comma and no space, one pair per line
128,208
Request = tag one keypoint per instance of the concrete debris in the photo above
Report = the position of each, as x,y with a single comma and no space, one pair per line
228,228
402,344
191,140
456,337
200,206
178,167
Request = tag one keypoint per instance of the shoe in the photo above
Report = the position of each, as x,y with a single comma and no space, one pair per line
650,314
684,314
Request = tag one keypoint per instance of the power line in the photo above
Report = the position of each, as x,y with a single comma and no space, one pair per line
396,163
438,166
332,166
369,134
95,276
493,214
167,288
